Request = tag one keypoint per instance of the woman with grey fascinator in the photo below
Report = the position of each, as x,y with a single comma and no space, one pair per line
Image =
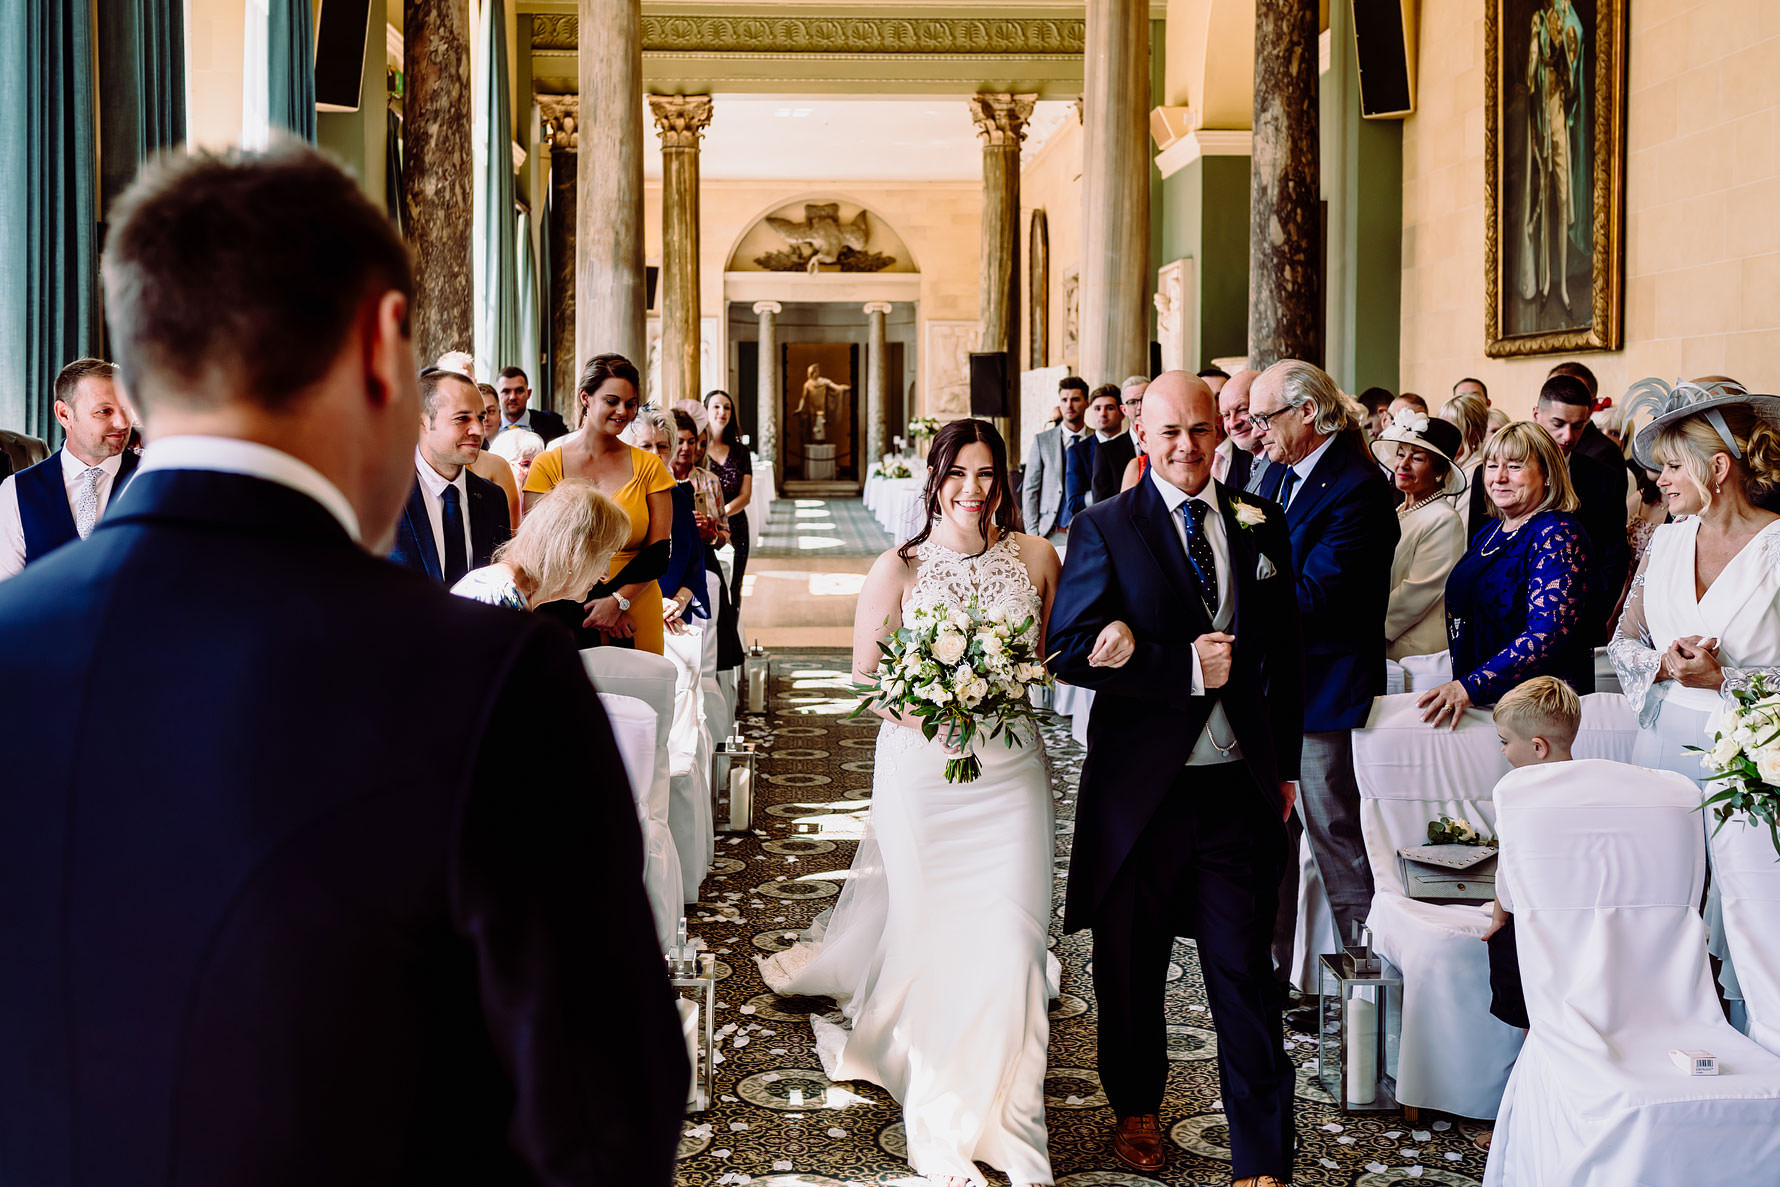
1702,618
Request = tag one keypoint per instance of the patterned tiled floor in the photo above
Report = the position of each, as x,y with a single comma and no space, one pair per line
821,527
778,1122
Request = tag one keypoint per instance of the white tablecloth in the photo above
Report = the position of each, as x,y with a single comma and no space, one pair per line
896,504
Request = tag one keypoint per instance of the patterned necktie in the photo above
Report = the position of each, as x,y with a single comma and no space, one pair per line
1200,556
1286,485
86,502
456,564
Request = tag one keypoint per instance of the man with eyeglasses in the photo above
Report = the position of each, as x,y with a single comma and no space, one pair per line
1344,533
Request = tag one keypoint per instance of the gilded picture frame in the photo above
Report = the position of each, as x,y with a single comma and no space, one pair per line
1554,176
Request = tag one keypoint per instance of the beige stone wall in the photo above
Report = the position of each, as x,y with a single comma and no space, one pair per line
1702,196
1052,180
937,221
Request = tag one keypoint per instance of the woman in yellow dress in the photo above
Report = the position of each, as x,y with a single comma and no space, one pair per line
627,605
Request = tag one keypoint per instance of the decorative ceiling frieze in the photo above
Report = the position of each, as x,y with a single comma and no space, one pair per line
834,35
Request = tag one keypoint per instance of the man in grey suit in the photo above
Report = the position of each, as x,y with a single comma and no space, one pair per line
1042,491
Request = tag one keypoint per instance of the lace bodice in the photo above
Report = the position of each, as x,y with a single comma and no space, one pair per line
1741,610
996,579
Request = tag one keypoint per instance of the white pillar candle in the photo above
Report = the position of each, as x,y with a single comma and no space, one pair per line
1361,1047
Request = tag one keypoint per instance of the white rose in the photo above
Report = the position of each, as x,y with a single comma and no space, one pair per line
949,648
1031,672
976,689
1722,754
1767,764
1249,515
992,644
934,693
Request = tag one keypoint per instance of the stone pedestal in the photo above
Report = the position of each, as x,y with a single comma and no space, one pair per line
438,173
877,386
681,120
818,463
766,384
1001,124
610,296
1115,276
1284,220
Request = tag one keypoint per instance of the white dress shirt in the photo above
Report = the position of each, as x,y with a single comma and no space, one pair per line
433,484
1205,751
1221,458
12,525
231,455
524,422
1303,466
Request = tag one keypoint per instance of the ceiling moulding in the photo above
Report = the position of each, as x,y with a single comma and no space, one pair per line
828,54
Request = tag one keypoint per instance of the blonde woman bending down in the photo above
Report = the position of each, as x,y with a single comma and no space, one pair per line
560,551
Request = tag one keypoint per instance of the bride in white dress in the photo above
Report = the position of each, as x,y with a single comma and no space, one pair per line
936,949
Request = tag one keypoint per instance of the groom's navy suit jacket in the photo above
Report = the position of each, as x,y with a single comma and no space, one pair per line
272,918
1126,564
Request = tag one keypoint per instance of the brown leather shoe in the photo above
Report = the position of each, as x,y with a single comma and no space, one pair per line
1137,1142
1261,1181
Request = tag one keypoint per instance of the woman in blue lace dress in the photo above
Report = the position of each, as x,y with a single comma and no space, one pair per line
1514,600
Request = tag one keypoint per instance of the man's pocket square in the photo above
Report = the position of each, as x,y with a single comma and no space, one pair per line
1265,569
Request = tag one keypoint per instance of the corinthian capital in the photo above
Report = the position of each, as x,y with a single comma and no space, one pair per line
681,119
1000,117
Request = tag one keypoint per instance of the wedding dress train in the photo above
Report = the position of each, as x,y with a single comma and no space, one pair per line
936,949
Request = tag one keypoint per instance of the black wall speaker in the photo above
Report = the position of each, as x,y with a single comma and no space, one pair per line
341,30
1384,39
651,274
988,383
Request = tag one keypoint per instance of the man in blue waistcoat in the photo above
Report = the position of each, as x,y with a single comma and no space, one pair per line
62,497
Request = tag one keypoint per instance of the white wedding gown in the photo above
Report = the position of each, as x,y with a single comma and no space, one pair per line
936,949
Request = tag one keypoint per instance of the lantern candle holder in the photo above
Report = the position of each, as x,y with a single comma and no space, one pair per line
697,972
757,670
1359,1023
734,766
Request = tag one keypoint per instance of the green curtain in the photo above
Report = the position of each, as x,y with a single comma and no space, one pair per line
290,73
495,251
530,331
49,232
141,86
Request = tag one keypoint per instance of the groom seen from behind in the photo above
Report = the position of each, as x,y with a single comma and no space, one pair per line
1177,606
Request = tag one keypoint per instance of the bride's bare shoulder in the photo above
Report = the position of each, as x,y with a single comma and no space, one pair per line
1038,553
891,569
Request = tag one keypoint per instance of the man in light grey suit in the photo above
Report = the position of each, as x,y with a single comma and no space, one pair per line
1042,490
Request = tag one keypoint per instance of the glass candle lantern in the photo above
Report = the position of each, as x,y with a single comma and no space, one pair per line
693,976
732,784
1359,1021
756,672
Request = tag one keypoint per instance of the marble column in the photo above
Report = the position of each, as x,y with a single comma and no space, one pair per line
438,173
1115,276
1001,125
1284,218
1038,290
766,394
610,297
877,385
680,120
563,367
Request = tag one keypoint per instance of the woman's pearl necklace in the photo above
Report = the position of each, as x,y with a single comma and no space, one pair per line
1409,508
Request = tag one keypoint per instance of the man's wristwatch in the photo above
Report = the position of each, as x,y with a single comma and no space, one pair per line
623,603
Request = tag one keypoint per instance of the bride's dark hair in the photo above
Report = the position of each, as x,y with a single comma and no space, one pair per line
946,444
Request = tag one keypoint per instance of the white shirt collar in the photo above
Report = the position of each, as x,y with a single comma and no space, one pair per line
434,481
73,467
1304,465
524,421
1105,436
231,455
1174,496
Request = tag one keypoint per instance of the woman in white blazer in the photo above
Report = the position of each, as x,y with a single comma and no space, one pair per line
1418,452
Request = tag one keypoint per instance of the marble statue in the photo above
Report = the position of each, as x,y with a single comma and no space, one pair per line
817,391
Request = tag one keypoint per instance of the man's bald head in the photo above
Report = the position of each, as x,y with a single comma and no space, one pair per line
1180,429
1233,409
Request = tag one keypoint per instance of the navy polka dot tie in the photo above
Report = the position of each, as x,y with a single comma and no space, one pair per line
1199,554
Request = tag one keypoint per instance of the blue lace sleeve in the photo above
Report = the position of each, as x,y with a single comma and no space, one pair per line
1555,585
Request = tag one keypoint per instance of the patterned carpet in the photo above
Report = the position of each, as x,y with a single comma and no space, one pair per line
778,1122
821,527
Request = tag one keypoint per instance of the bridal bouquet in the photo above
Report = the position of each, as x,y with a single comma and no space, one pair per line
961,671
1745,759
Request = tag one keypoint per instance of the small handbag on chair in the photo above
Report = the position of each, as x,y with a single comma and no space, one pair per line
1449,873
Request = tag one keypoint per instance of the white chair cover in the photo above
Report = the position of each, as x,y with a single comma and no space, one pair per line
650,679
689,760
1396,680
1422,672
1748,875
1602,865
636,728
1455,1056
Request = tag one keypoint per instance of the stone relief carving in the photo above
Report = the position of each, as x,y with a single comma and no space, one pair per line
822,238
1072,315
949,344
822,34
